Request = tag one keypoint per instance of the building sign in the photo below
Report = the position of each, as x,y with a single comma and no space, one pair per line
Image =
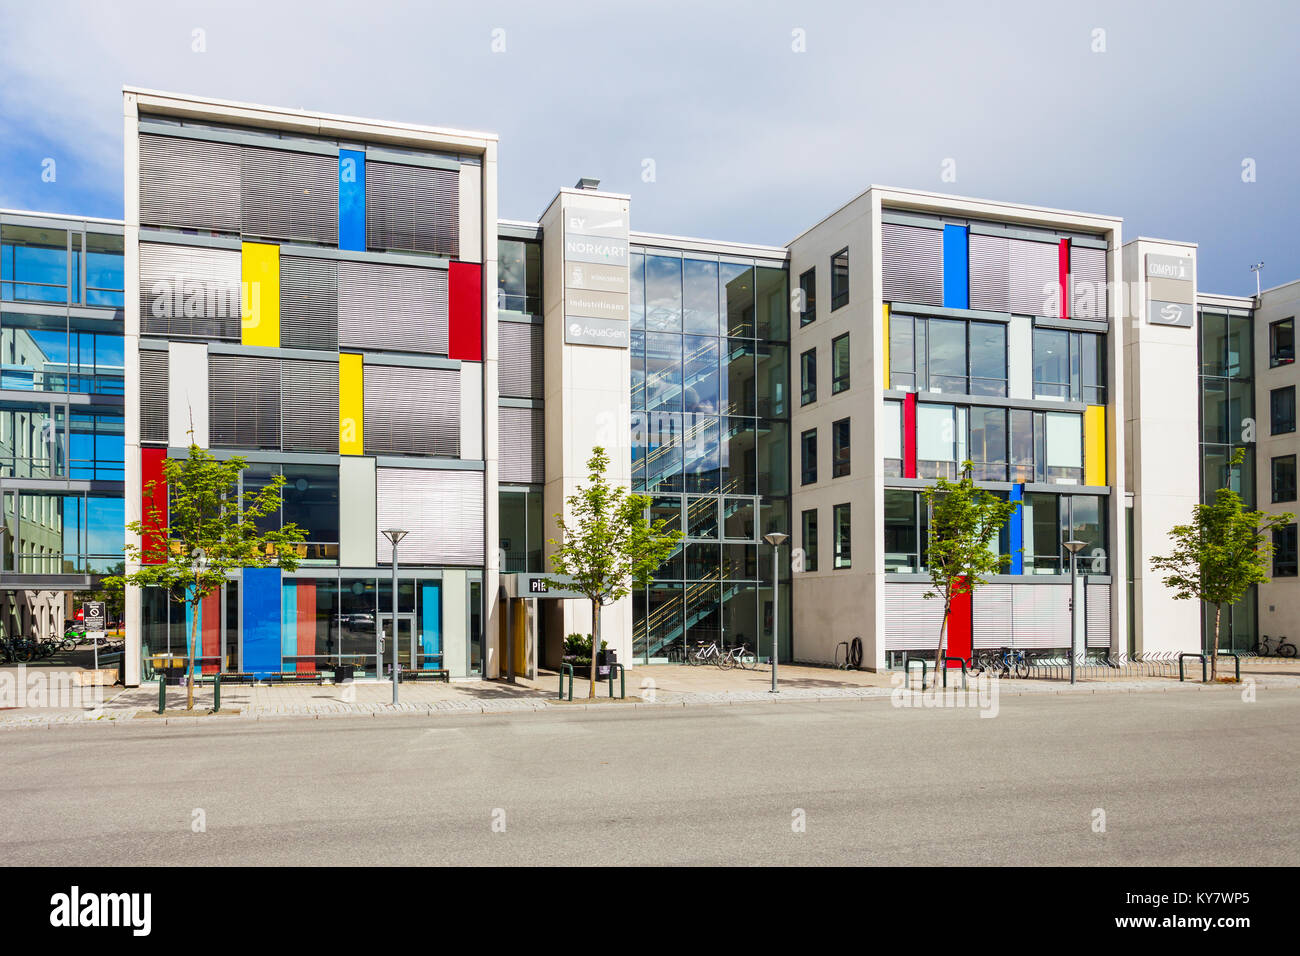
1168,267
596,277
1170,290
95,615
1169,313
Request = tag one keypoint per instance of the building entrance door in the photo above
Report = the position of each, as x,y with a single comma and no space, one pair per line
405,642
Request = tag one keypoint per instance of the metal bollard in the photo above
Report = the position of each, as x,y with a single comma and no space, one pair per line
216,694
162,693
563,668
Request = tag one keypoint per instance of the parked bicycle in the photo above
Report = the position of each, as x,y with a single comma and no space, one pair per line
1005,661
1283,648
739,656
703,653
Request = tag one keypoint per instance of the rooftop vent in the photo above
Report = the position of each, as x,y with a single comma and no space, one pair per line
587,183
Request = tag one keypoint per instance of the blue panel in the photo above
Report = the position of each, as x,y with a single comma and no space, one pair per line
956,268
352,199
431,622
1017,530
261,620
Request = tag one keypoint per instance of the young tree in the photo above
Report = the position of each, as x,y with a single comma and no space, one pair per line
1220,554
964,523
607,544
192,537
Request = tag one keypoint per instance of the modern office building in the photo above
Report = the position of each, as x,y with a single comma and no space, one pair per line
337,301
61,415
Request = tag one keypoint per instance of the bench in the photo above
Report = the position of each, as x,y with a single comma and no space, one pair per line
427,673
295,677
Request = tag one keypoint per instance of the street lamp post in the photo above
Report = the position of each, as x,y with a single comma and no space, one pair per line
775,539
1074,546
394,535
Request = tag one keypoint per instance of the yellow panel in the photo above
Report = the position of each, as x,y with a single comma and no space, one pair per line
260,310
885,363
351,405
1094,445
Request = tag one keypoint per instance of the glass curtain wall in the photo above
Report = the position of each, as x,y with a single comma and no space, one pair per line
710,443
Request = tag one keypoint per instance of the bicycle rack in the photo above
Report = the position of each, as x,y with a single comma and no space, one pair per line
1187,654
907,671
622,682
960,660
563,668
1235,660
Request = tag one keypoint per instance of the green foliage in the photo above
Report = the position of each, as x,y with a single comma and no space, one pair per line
580,644
607,543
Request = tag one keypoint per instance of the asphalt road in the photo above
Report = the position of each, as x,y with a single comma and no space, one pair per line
1182,778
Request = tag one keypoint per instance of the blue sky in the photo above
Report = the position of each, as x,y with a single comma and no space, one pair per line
750,140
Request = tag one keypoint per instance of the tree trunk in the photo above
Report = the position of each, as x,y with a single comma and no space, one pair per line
1214,651
943,636
595,645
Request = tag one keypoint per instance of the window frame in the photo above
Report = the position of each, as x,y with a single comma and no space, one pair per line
1285,551
841,455
807,540
840,280
1273,478
841,383
808,377
843,545
1273,420
809,289
807,467
1274,358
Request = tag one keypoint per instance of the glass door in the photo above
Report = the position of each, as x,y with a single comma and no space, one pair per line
405,642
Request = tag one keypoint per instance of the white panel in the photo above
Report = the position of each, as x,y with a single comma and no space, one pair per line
1040,615
911,622
1064,440
471,409
471,214
187,394
455,599
1020,357
357,516
1097,607
991,616
441,510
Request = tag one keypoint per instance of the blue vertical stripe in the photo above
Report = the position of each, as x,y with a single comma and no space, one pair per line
261,620
289,620
956,268
1017,531
352,199
431,622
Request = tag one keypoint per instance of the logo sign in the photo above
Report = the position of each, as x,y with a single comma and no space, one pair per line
537,586
1169,313
95,615
582,221
598,305
597,249
583,330
1168,267
595,278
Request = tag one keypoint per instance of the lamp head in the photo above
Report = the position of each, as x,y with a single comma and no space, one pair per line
395,535
775,539
1074,546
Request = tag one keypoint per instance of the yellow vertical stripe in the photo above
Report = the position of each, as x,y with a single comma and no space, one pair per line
260,307
351,405
885,352
1094,445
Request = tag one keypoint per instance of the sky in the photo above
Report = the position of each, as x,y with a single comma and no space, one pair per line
740,121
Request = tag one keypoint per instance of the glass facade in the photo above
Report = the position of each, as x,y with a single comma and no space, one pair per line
710,444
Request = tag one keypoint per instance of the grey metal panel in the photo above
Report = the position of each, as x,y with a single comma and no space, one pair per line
911,622
244,401
1033,278
309,303
441,510
521,359
395,308
357,526
911,264
412,207
412,411
185,290
309,398
991,616
189,184
1096,606
153,396
1088,299
288,195
521,445
989,265
1040,616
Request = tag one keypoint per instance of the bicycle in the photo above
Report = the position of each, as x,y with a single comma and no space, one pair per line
702,653
739,656
1005,661
1282,649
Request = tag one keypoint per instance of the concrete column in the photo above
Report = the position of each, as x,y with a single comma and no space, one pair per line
131,361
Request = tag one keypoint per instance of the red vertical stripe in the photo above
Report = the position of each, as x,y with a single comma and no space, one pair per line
909,435
959,625
465,311
210,631
1064,262
151,471
306,625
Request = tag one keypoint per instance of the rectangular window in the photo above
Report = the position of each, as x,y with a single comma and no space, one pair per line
844,538
839,279
892,438
947,355
810,540
1070,366
902,352
1281,342
1064,437
840,445
1284,552
941,433
808,457
808,286
808,377
840,364
988,359
1282,410
988,443
906,530
1284,478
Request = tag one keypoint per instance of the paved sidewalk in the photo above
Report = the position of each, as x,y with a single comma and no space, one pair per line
648,686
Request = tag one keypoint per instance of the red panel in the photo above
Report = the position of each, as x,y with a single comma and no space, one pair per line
909,435
959,626
306,625
151,471
210,632
1064,261
465,311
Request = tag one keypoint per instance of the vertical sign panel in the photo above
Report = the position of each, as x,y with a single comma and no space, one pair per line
1094,445
884,364
956,268
465,311
909,435
153,501
1063,276
352,200
261,620
431,625
1016,530
959,626
351,405
260,306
